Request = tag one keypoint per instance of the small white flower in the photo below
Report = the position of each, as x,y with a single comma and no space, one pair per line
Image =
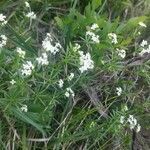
142,24
60,83
113,38
119,91
24,108
31,15
3,40
76,47
43,60
122,119
95,39
12,82
27,68
20,52
121,53
70,77
86,62
94,26
145,50
69,92
2,19
125,108
138,128
27,4
144,43
132,122
93,36
89,33
49,47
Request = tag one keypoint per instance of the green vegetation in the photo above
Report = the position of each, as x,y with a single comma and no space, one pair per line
74,74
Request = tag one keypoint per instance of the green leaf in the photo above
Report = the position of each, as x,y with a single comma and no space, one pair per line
24,117
133,23
20,41
96,4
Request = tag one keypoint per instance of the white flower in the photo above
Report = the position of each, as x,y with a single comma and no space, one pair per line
2,19
119,91
122,119
3,40
20,52
95,39
144,43
27,4
113,38
93,36
27,68
12,81
142,24
69,92
31,15
76,47
70,77
48,46
60,83
145,50
138,128
121,53
125,108
43,59
85,62
24,108
132,122
89,33
94,26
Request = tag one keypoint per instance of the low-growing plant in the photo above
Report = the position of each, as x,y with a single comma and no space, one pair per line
80,82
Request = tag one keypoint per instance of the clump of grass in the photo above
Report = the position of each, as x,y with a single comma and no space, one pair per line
73,81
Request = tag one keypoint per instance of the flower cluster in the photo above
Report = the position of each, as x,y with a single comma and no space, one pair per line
27,68
76,47
70,77
43,59
119,91
145,47
142,24
121,53
94,26
85,62
69,92
30,14
132,122
27,4
24,108
113,38
3,40
12,82
60,83
49,47
3,19
92,35
20,52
